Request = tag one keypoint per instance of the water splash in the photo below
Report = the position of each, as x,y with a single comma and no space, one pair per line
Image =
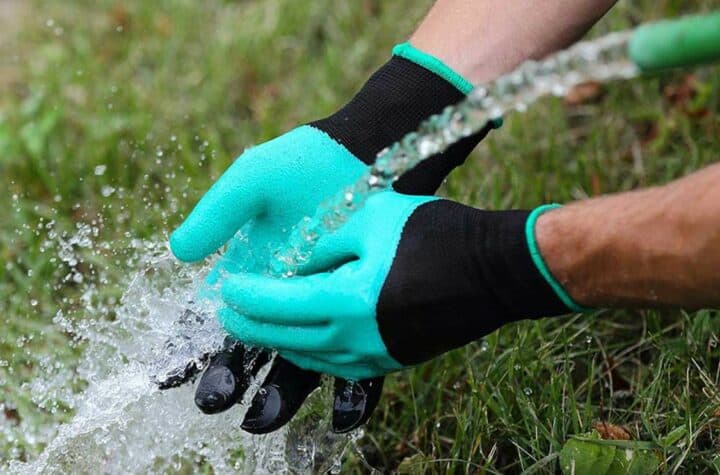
122,422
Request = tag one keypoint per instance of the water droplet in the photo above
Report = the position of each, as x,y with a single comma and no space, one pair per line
484,346
528,391
100,170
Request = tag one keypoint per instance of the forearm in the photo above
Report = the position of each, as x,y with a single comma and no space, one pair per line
482,39
649,248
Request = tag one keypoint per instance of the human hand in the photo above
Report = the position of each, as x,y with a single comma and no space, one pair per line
411,278
272,186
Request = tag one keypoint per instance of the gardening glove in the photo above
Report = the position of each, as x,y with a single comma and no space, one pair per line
272,186
407,278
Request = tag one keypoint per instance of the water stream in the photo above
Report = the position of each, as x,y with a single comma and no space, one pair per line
122,423
601,60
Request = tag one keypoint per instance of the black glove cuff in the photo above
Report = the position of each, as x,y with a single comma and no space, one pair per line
458,274
502,255
394,101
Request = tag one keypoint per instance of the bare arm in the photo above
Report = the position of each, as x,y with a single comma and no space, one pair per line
482,39
652,248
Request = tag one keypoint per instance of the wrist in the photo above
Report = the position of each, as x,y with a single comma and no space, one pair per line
433,64
488,60
610,252
536,231
560,245
644,248
500,38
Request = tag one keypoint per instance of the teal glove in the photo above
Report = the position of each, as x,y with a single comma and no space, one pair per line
405,279
272,186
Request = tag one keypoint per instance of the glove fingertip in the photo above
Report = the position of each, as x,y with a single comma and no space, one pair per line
204,231
354,403
184,247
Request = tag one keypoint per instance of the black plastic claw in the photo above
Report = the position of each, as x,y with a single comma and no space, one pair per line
179,376
354,402
285,389
227,377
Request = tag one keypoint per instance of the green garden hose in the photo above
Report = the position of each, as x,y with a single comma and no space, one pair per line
683,42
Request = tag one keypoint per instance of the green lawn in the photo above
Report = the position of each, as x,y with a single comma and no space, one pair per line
165,94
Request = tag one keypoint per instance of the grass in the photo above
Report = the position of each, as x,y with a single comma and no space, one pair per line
165,94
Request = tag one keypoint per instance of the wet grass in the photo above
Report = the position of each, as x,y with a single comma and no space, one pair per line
165,94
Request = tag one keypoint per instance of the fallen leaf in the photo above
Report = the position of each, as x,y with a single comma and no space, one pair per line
611,431
679,93
585,93
682,94
12,414
120,16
